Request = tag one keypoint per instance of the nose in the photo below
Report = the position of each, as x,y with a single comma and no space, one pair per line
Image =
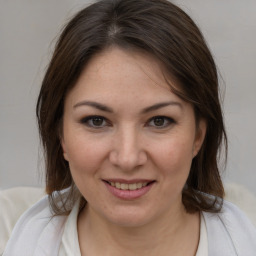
128,152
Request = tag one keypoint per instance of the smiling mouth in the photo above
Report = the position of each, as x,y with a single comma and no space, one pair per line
129,186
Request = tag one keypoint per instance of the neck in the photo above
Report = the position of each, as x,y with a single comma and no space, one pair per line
177,233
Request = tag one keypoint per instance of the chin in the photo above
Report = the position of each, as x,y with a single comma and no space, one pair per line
130,217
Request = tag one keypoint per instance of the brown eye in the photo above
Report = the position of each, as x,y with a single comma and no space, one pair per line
161,121
97,121
94,121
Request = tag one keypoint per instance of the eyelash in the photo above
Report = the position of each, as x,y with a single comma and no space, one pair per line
167,121
87,121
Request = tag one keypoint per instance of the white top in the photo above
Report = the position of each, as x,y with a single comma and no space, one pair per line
70,245
37,233
203,242
13,203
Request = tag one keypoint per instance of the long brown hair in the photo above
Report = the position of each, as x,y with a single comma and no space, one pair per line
162,30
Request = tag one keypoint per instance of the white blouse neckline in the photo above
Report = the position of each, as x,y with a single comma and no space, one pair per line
70,244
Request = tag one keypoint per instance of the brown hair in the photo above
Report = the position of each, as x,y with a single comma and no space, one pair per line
163,30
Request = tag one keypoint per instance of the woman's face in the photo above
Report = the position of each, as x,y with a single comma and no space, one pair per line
128,139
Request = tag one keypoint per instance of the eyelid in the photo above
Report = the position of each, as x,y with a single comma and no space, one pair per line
86,119
170,121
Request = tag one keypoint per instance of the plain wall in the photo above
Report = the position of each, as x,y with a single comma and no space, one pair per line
28,31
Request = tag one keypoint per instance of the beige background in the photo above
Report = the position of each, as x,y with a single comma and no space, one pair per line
27,34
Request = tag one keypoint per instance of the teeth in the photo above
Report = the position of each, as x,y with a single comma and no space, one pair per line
124,186
132,186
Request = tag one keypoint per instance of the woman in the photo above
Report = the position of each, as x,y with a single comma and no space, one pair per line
131,123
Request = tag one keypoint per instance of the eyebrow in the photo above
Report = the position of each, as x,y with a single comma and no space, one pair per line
110,110
161,105
95,105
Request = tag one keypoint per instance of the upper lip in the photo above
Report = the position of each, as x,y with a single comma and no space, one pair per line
124,181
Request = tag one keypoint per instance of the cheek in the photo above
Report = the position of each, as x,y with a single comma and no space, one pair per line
85,155
85,161
174,157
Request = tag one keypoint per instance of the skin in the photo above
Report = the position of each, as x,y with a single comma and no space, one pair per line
131,143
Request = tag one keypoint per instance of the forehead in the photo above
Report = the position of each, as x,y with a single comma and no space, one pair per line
118,73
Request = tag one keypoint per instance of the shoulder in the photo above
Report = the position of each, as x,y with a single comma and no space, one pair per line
13,203
243,198
232,216
230,230
36,231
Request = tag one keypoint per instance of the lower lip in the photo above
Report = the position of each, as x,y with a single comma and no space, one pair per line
128,194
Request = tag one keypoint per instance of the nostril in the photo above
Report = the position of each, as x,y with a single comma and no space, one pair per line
128,158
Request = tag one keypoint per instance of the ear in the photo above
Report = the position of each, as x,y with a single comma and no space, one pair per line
64,149
201,128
